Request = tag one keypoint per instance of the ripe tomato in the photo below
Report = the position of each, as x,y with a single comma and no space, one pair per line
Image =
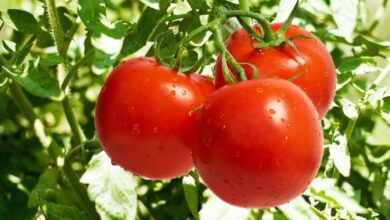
317,75
144,118
261,143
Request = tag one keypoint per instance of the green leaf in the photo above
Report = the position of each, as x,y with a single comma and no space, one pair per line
358,65
385,113
138,37
353,66
46,182
191,192
9,46
21,21
3,82
375,97
340,155
152,3
111,188
300,209
349,108
51,60
93,14
202,5
345,19
369,47
37,81
216,209
62,212
326,190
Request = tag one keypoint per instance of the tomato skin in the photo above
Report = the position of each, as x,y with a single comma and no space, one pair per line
261,143
143,118
318,75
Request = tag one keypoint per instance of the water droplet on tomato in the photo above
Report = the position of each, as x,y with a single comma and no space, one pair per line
259,90
155,130
114,163
272,111
223,127
174,86
173,92
183,92
175,79
136,129
277,162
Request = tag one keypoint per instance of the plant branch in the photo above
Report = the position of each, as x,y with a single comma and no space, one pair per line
22,102
54,148
268,33
73,70
176,62
244,6
58,35
74,125
220,45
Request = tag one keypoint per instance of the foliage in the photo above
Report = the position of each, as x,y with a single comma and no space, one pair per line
55,55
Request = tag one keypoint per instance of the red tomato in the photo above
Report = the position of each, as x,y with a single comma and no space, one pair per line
318,75
144,118
261,143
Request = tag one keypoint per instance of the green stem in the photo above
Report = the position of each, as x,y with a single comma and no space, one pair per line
58,35
176,62
73,70
350,127
268,33
54,149
288,21
382,75
3,60
220,45
244,6
74,125
79,189
22,102
62,50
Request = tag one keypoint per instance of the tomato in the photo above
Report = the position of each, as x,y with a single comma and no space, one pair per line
316,75
261,143
144,118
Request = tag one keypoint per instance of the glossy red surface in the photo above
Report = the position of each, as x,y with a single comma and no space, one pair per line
261,143
144,118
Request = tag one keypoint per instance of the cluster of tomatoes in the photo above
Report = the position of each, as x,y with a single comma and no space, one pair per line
255,143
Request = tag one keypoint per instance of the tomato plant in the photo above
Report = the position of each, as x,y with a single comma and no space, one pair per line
261,143
310,66
144,118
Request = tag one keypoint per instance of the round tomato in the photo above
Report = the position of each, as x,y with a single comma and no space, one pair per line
144,118
314,68
261,143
